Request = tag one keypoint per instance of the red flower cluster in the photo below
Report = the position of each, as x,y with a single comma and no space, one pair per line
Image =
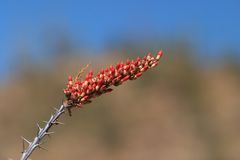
79,92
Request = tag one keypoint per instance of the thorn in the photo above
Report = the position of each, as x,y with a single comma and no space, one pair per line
45,121
26,140
49,133
39,128
41,143
23,145
55,109
42,148
57,123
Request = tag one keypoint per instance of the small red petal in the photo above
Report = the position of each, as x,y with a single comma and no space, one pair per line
138,59
103,87
125,78
145,68
126,67
159,55
84,98
91,72
111,67
145,58
128,62
69,78
118,66
138,74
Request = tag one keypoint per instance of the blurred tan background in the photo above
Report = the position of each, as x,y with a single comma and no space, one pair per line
178,110
187,108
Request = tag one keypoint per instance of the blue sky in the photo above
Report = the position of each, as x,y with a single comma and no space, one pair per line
211,26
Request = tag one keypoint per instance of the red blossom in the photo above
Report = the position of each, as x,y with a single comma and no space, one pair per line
79,92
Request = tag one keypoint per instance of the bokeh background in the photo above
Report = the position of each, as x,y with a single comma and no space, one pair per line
187,108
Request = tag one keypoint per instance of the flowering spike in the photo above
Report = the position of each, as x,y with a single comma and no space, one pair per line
79,92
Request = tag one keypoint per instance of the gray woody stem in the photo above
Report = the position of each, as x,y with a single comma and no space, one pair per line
42,132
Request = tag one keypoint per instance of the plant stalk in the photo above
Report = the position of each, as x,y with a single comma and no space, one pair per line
42,132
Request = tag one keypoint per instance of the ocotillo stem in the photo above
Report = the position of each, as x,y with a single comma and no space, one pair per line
42,132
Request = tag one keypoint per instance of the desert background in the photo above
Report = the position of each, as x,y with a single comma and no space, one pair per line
186,108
